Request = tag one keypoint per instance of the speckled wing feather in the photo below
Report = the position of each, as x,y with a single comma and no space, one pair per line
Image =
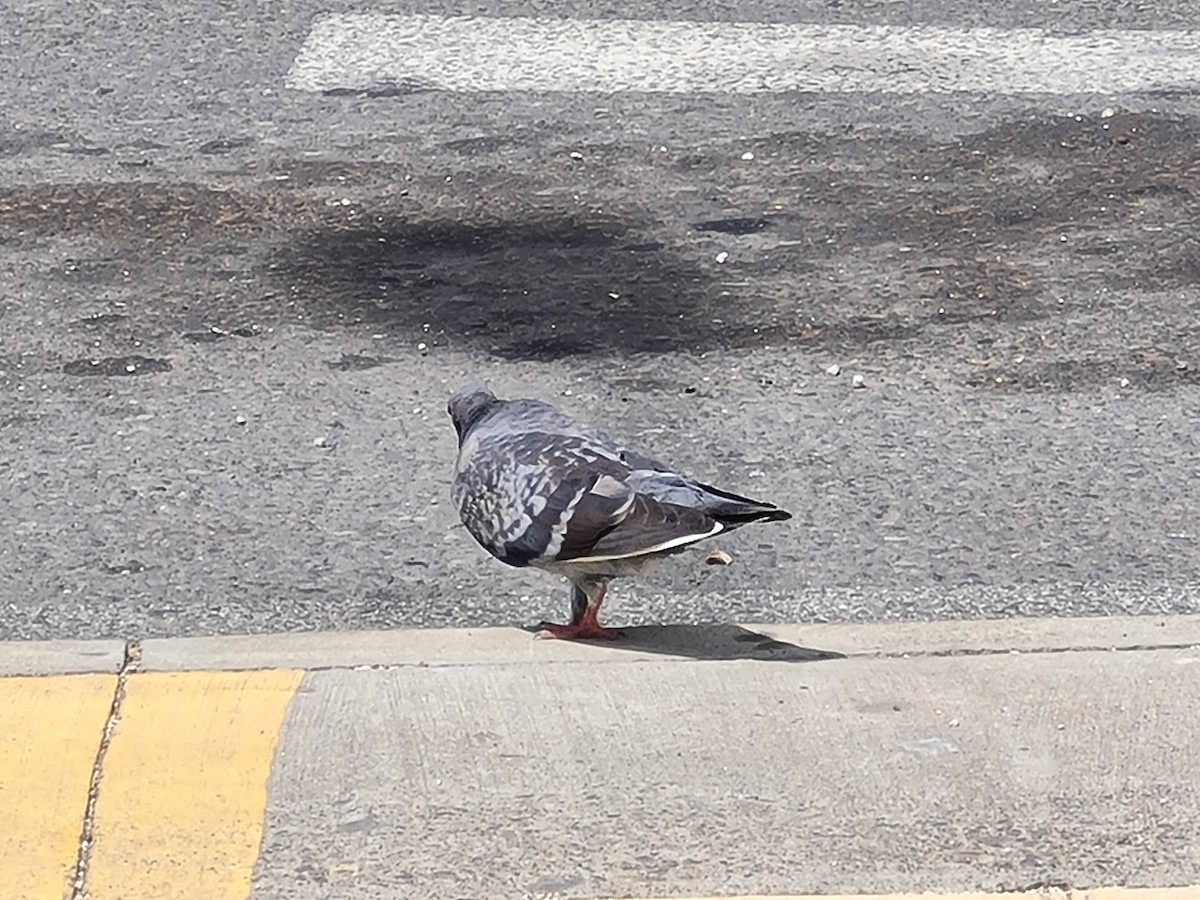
536,497
536,488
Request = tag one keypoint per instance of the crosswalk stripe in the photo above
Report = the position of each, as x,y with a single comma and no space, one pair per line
361,51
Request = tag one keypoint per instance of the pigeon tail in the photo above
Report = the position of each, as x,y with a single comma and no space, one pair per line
735,518
734,510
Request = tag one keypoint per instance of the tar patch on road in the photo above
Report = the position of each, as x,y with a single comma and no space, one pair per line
542,287
116,366
1042,253
1151,370
1056,251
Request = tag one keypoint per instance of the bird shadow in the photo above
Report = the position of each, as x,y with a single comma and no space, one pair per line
710,643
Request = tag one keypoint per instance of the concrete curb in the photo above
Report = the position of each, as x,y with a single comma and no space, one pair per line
61,657
507,646
185,781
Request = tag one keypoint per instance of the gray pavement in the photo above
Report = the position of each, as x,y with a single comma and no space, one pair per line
232,312
670,777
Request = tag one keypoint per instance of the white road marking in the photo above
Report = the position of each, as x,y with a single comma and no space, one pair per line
465,53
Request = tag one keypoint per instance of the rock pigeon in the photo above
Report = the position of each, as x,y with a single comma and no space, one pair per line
536,488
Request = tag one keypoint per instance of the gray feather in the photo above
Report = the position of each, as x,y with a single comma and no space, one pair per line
535,487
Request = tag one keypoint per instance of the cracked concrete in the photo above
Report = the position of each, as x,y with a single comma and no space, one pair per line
129,665
703,760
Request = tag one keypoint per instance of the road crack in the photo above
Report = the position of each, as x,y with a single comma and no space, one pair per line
129,665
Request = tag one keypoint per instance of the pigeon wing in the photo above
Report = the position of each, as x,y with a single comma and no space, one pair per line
546,494
723,506
535,488
611,521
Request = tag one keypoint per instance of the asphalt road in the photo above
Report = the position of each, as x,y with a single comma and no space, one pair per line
231,312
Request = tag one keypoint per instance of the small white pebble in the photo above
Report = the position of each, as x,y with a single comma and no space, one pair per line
722,256
858,381
835,369
747,156
240,419
422,346
1108,113
575,154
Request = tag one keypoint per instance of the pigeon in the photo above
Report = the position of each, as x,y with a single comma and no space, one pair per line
536,488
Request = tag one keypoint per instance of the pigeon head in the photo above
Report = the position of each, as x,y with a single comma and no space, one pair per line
467,406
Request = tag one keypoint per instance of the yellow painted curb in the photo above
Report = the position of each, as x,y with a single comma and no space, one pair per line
184,787
50,733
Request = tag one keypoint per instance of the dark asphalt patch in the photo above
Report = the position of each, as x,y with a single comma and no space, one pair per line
734,225
102,320
482,145
29,141
221,146
1145,373
540,287
213,335
1027,228
358,362
116,366
136,212
967,241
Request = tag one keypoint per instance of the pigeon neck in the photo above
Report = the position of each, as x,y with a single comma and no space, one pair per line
473,418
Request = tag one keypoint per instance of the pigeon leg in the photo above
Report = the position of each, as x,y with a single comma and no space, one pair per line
585,607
